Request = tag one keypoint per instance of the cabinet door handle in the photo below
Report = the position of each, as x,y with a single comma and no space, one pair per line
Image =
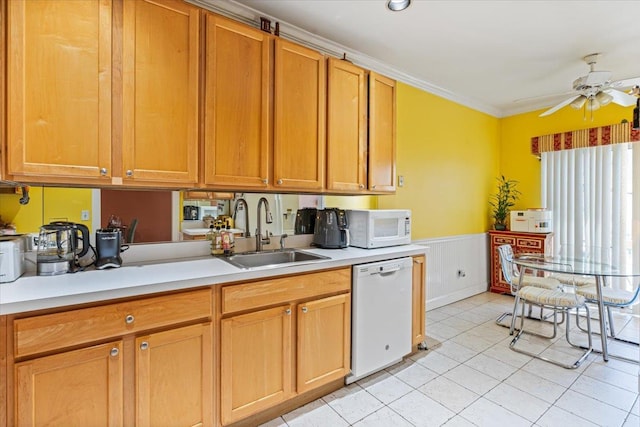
129,319
114,352
265,181
279,182
373,187
129,173
144,345
103,171
361,186
287,311
305,309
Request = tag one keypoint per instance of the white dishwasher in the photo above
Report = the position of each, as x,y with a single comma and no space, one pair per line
380,316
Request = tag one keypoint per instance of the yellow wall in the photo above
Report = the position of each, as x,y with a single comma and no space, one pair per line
516,160
448,155
351,202
62,204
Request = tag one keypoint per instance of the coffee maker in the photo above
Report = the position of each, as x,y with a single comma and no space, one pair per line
108,248
59,248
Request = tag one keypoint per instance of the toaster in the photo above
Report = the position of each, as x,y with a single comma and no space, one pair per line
11,258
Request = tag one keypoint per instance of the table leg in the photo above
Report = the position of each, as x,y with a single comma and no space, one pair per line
602,314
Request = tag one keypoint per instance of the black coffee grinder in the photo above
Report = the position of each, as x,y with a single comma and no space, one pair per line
108,248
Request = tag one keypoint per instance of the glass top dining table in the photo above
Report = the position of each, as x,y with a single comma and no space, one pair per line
588,266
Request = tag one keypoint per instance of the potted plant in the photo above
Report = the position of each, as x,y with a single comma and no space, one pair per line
503,201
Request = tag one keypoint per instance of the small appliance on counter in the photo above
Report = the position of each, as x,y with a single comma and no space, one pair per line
379,228
191,213
532,221
331,229
305,221
108,248
11,257
58,249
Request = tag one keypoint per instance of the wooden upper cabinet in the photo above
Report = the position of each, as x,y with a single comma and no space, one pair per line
346,126
237,105
382,133
59,89
160,74
299,117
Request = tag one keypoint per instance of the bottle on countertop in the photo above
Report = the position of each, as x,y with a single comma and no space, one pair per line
228,240
216,240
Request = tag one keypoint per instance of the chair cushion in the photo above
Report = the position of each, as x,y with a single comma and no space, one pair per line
574,279
555,298
609,295
541,282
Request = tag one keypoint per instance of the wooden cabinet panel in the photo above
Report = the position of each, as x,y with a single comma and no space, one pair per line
418,298
324,341
59,89
382,133
346,126
237,105
256,362
174,377
540,243
77,388
3,371
48,332
299,117
160,74
284,289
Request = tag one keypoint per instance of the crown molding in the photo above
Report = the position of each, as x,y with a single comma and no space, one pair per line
250,16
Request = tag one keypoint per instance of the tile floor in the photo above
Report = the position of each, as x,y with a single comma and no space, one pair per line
470,377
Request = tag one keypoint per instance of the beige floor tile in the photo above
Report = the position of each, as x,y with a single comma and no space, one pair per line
471,379
449,394
491,367
632,421
485,413
518,401
555,417
421,411
314,414
435,361
353,403
607,393
385,387
384,417
591,409
612,376
536,386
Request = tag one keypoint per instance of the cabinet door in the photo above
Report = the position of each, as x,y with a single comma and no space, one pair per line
299,128
160,91
76,388
59,89
382,133
237,128
3,371
419,300
346,126
174,377
255,362
324,341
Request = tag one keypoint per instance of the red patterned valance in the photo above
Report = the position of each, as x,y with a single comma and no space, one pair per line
605,135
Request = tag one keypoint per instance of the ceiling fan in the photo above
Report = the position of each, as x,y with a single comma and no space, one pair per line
596,90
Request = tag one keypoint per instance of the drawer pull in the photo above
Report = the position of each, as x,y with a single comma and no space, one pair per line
103,171
129,319
305,309
114,351
287,311
144,345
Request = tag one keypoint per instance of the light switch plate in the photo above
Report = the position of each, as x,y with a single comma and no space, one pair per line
84,215
400,180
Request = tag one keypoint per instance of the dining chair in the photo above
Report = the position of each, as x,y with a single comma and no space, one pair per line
515,278
562,300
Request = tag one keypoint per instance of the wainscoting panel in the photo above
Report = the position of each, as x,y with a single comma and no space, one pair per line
457,268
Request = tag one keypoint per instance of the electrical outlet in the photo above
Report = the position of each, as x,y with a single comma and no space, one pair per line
84,215
461,273
400,180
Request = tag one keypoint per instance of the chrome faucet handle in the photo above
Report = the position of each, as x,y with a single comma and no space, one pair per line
282,237
269,218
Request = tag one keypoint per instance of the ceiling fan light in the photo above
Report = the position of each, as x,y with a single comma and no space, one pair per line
398,5
592,104
578,102
604,98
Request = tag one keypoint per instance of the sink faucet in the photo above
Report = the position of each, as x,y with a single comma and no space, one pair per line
246,215
269,219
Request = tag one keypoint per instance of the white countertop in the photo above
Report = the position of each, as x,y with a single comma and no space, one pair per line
32,292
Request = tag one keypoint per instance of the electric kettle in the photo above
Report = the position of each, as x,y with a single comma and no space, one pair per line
58,250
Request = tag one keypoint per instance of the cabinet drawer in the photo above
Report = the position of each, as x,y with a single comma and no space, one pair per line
74,327
504,240
283,290
525,244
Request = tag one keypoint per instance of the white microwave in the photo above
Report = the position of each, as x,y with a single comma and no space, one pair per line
378,228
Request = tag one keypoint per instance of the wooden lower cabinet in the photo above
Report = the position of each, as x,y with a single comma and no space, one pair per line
419,296
534,243
256,363
75,388
275,353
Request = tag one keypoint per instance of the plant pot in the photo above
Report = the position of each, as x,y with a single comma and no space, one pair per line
500,227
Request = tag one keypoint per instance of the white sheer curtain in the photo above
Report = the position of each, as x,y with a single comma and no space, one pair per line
595,197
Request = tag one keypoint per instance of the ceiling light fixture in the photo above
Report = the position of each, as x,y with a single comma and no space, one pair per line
604,98
398,5
579,102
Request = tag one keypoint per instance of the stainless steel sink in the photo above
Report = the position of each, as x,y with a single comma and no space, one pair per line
272,258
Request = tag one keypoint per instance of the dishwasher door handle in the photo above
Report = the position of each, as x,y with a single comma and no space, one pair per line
388,271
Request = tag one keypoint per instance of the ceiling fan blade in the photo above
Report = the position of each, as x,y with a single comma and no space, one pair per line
559,106
621,98
626,83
